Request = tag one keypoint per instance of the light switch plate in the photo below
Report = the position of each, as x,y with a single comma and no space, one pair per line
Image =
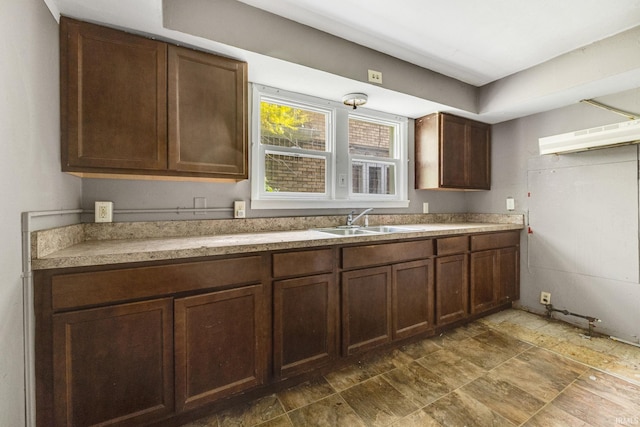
511,203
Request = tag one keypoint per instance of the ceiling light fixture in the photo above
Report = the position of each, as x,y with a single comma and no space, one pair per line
355,100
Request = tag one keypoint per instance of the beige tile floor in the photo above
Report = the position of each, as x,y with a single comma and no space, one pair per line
509,369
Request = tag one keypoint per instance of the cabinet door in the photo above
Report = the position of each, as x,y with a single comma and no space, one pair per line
412,298
304,323
509,284
452,297
485,277
479,156
113,96
218,347
113,365
453,152
366,309
207,114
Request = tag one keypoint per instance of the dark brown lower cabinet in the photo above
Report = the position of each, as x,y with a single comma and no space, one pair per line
304,323
412,296
495,270
366,309
485,276
198,332
218,350
494,278
113,365
452,297
509,283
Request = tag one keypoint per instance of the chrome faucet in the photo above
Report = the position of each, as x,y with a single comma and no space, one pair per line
351,219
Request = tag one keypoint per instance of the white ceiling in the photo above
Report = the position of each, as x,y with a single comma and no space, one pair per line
477,42
474,41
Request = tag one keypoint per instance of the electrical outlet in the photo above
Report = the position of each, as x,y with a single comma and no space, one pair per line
239,209
545,298
375,77
425,207
103,212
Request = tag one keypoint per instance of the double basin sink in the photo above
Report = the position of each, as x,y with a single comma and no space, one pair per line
363,231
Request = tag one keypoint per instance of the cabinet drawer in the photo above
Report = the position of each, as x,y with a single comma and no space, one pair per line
101,287
302,263
495,240
452,245
390,253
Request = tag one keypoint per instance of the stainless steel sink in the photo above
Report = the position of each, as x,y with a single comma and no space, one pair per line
363,231
388,229
347,231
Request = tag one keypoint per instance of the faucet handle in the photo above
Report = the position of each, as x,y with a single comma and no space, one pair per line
350,217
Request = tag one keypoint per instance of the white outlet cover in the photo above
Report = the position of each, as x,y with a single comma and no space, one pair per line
103,211
239,209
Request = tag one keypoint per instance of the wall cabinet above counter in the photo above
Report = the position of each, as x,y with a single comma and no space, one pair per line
452,153
137,106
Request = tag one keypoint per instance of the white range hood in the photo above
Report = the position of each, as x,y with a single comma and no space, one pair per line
590,139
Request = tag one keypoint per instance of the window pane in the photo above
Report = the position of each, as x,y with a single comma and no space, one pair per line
372,178
285,126
371,139
294,174
357,178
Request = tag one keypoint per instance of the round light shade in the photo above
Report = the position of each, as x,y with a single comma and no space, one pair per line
354,100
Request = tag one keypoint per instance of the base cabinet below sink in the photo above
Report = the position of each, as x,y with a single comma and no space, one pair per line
389,296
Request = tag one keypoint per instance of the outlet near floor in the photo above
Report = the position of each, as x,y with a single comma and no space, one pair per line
545,298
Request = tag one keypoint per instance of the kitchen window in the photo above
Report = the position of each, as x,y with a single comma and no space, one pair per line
309,152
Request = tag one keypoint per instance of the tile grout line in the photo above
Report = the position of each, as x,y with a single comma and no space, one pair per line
551,401
335,392
532,346
490,327
603,370
588,366
421,408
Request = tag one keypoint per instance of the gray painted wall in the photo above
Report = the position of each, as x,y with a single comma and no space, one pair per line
30,177
130,194
590,201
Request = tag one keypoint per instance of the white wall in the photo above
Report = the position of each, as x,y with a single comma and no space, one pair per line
593,269
29,169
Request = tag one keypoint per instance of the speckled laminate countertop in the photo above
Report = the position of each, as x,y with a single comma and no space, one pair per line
79,245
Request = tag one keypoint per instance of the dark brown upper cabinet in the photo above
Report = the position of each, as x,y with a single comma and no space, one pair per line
452,153
136,106
207,113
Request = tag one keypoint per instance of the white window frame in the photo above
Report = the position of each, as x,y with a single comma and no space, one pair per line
338,189
395,159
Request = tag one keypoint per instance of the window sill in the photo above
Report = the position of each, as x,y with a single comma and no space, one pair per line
327,204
